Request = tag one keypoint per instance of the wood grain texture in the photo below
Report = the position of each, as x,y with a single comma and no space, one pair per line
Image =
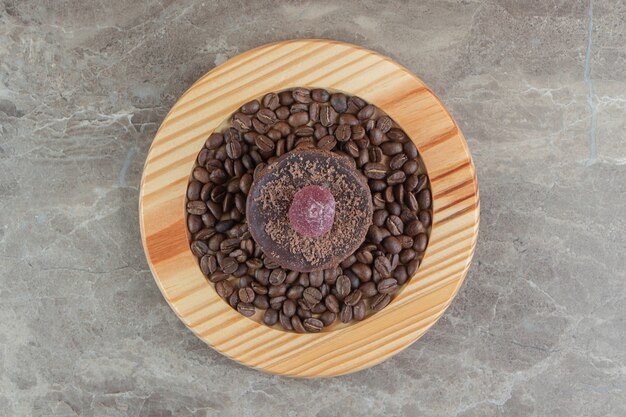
314,63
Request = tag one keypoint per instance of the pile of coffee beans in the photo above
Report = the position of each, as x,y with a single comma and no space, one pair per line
260,132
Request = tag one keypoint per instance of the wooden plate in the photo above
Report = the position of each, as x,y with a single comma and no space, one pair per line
333,65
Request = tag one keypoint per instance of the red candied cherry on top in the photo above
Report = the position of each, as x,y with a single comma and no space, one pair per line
312,211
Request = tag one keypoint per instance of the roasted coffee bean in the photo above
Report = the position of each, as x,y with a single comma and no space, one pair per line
267,117
327,143
398,161
380,301
296,323
277,302
410,149
330,275
412,266
377,185
264,143
233,300
423,199
259,288
328,318
365,257
214,141
407,255
320,95
411,202
313,325
312,296
411,183
346,314
384,123
303,280
271,101
298,108
246,309
394,208
277,290
414,228
358,311
289,308
396,134
224,226
199,248
394,225
328,116
246,295
387,286
362,271
318,308
224,289
194,222
347,263
348,119
303,310
218,176
208,264
260,127
339,102
388,195
228,203
367,112
193,190
214,242
405,241
379,217
353,298
285,321
304,131
251,107
421,241
262,276
421,183
292,276
277,276
331,303
401,275
301,95
298,119
295,292
376,154
218,276
392,244
316,278
229,265
398,192
368,289
391,148
343,286
410,167
209,219
375,170
242,122
425,218
376,234
201,174
383,266
363,158
282,113
351,149
377,137
343,133
355,282
270,317
285,98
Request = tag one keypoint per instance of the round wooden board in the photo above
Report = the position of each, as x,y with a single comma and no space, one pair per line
333,65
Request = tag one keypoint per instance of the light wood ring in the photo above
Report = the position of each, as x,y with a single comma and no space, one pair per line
333,65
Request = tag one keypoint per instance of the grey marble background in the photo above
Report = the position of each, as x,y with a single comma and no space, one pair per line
538,87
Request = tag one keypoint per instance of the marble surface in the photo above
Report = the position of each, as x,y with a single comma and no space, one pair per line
539,89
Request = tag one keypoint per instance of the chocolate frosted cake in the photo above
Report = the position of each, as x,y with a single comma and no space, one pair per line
288,228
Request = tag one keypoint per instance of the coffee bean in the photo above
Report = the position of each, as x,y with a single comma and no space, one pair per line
346,314
282,113
296,323
343,286
262,276
421,241
285,321
313,325
348,119
270,317
285,98
229,265
362,271
343,133
299,108
384,123
383,266
405,241
199,248
391,148
414,228
398,192
410,149
379,217
193,190
271,101
246,295
375,170
366,112
201,174
303,280
363,158
246,309
328,318
339,102
392,244
208,264
214,141
259,288
224,289
331,303
330,275
398,161
327,143
348,262
316,278
276,302
377,185
396,135
292,276
411,202
394,225
328,116
277,290
312,296
358,311
387,286
224,226
365,257
380,301
298,119
425,218
194,222
376,234
394,208
412,266
251,107
368,289
353,298
289,308
242,122
264,143
375,154
401,275
295,292
218,276
423,199
277,276
410,167
301,95
267,117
